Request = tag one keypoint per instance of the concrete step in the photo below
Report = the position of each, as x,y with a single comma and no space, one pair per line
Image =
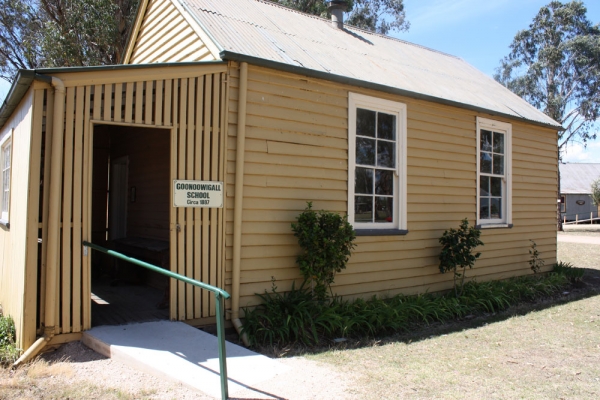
183,354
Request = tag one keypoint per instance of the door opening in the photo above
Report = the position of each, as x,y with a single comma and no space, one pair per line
130,214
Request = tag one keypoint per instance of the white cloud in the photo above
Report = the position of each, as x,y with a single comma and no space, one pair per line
439,14
577,153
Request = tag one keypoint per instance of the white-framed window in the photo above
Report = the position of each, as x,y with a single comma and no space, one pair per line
563,204
5,168
376,163
494,176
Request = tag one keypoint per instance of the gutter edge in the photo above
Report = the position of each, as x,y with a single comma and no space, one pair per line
227,55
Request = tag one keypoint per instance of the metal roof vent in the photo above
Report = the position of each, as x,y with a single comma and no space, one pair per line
337,8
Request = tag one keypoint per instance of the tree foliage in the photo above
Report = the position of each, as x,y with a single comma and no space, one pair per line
596,192
62,33
555,66
381,16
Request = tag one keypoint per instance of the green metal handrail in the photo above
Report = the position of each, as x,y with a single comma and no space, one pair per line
220,296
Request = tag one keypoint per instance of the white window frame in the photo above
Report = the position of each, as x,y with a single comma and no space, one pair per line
5,142
389,107
506,128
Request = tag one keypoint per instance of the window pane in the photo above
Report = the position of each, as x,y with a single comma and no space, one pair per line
496,209
486,140
485,162
496,187
498,143
365,151
484,186
384,182
386,126
363,209
6,157
386,154
498,164
484,209
363,181
384,209
365,122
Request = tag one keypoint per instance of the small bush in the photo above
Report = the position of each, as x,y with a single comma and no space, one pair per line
535,263
326,239
457,252
8,350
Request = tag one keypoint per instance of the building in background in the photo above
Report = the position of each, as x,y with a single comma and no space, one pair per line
576,202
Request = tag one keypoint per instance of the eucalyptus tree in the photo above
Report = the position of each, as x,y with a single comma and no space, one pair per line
61,33
555,66
381,16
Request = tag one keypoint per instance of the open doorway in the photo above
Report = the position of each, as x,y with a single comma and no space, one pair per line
130,214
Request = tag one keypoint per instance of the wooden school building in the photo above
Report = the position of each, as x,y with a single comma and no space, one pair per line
268,108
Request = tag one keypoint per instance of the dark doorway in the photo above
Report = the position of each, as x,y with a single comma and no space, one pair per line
130,214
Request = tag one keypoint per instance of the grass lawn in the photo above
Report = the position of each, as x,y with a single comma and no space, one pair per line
535,351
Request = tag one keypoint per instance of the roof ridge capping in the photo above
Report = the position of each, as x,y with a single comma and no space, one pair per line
325,20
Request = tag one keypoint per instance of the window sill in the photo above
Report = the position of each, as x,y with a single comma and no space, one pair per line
4,224
380,232
494,226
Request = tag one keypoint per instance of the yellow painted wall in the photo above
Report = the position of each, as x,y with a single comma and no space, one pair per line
13,288
297,151
166,36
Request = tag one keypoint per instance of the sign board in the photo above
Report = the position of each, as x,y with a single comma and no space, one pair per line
207,194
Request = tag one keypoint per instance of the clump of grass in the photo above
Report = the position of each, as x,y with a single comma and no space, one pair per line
8,349
43,369
298,316
569,271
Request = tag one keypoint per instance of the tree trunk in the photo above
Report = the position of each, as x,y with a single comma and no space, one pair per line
559,224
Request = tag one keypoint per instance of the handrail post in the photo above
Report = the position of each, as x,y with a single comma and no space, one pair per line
220,297
222,351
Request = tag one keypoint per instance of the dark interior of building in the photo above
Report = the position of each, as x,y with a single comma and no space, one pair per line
130,215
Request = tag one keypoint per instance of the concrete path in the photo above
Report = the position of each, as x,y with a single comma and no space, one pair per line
581,228
181,353
578,239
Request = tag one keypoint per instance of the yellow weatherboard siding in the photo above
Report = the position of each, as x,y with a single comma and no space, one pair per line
166,36
296,151
17,279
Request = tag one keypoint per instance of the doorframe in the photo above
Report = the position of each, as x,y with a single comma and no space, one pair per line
87,223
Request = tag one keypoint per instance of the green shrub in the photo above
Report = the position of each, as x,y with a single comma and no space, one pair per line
282,317
326,239
535,263
457,252
8,350
569,271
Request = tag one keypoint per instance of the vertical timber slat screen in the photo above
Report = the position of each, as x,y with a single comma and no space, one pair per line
192,109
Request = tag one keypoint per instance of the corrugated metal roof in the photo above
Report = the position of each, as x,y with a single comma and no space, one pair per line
578,178
271,32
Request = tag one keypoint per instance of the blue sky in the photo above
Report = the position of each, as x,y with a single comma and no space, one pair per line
479,31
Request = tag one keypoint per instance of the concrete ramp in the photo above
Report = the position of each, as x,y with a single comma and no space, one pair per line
181,353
